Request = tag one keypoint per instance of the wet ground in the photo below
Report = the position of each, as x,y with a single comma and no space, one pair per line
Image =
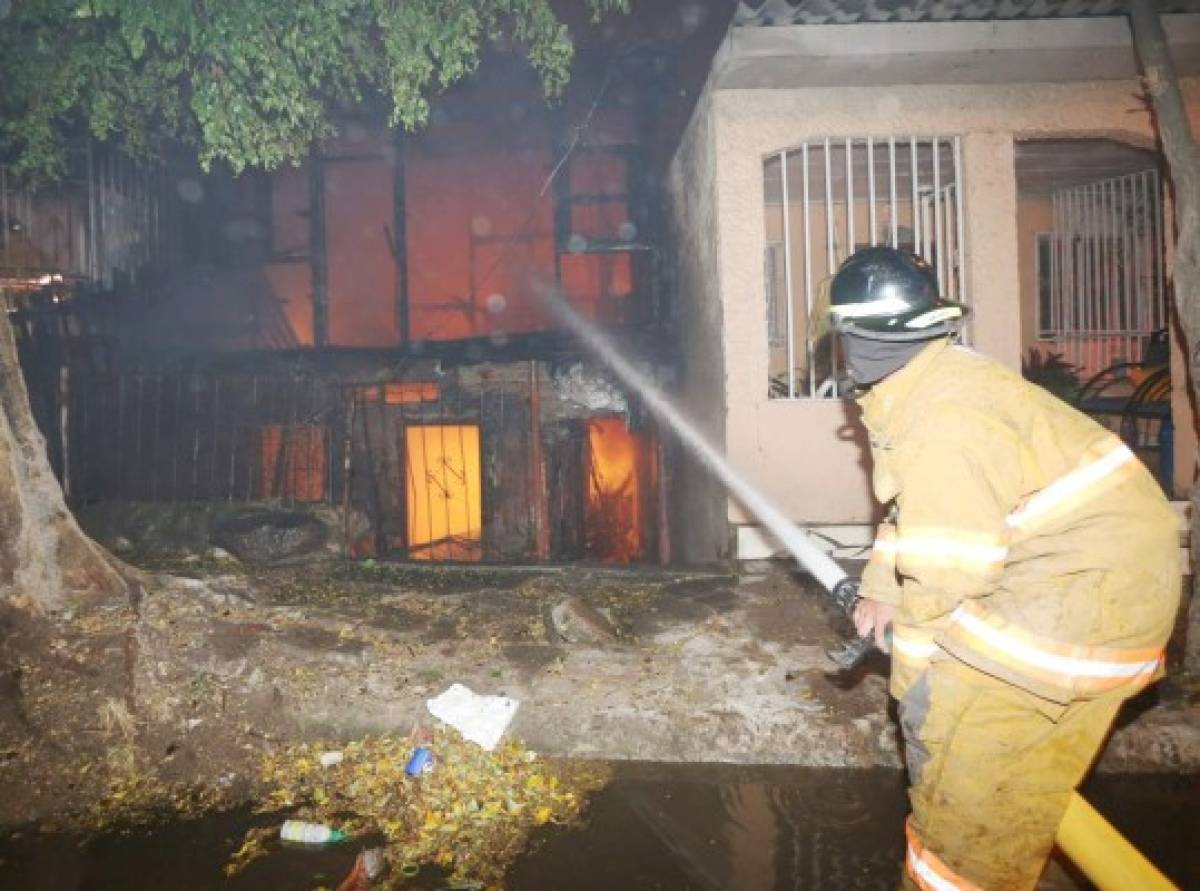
218,669
656,826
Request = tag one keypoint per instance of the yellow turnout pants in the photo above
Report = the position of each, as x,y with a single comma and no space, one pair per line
992,767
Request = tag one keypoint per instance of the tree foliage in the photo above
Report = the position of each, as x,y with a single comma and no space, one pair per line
249,82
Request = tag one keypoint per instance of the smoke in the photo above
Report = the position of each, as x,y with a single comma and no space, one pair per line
807,553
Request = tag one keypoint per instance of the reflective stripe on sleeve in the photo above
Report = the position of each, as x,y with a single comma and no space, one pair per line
1076,487
1078,668
913,645
946,548
927,869
884,548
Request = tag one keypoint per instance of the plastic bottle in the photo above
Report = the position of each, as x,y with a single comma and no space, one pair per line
310,833
420,762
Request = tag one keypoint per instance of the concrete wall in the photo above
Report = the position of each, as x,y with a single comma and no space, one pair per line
699,530
809,454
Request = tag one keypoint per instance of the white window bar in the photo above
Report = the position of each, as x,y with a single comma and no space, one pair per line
951,245
787,275
813,368
810,350
851,243
892,209
830,257
871,188
937,217
961,241
927,229
831,261
916,201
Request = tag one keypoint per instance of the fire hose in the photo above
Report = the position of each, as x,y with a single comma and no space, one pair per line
1091,842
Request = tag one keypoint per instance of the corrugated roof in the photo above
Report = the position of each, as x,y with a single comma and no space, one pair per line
848,12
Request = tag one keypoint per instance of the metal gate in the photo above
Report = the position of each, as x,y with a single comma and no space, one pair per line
1101,282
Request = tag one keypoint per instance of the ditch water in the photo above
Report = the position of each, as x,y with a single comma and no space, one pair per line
656,827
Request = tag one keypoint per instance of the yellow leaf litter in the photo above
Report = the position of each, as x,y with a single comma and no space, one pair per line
471,815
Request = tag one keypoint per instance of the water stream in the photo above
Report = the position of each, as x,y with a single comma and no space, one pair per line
807,552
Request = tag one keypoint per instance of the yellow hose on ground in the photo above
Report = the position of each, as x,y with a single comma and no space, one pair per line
1103,854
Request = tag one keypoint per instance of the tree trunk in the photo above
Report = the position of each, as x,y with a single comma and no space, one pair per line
46,561
1183,157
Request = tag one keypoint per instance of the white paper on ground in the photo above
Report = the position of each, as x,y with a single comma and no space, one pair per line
481,719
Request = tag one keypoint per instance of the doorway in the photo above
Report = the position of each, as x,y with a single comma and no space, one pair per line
443,492
619,486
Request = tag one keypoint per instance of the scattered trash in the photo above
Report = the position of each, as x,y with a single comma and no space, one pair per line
331,759
420,762
368,866
310,833
480,719
470,817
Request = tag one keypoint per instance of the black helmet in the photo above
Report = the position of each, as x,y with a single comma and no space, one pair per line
887,294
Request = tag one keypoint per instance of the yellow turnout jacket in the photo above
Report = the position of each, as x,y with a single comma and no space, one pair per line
1024,538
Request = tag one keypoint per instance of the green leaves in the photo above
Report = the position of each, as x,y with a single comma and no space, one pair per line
248,82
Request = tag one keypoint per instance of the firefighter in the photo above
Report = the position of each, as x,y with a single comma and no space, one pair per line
1028,569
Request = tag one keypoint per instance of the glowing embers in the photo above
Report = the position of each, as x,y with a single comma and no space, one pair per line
443,492
293,463
619,479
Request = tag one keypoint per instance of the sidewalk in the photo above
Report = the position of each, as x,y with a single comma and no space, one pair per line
704,667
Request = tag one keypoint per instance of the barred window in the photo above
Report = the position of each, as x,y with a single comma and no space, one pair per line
825,199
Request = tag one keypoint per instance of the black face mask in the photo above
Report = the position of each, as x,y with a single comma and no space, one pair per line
870,361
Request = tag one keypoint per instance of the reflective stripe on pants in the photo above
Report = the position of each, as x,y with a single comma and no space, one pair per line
928,871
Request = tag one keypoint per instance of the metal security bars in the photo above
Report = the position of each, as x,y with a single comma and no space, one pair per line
1101,289
829,197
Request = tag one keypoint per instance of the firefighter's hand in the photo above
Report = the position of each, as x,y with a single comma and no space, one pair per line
874,616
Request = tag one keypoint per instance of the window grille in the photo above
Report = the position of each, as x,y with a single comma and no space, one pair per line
1101,283
829,197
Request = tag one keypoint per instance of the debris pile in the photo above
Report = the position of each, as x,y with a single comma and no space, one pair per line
469,815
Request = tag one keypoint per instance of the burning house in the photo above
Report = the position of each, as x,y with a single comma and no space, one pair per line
366,333
365,337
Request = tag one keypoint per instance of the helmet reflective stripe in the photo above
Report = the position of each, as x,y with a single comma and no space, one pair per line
889,294
885,306
941,314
